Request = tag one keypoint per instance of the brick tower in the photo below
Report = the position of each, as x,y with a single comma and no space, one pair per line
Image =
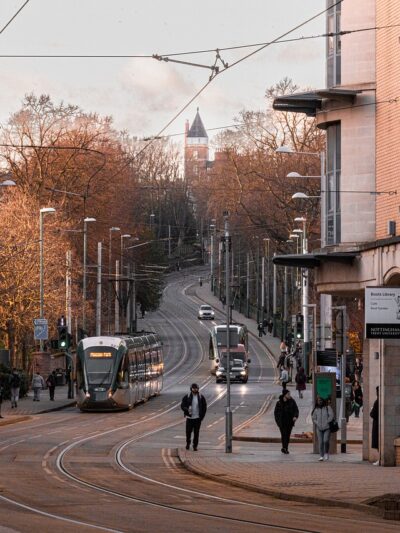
196,149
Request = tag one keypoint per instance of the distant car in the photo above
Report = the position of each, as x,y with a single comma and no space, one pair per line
205,313
239,371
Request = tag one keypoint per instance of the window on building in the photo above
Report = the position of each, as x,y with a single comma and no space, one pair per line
334,45
332,197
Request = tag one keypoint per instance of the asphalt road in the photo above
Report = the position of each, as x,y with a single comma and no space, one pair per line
69,471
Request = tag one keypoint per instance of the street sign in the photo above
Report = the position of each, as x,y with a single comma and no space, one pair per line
40,329
382,312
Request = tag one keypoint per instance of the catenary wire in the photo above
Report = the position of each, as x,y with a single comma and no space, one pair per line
14,16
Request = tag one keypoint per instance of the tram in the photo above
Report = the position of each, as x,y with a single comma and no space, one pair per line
117,372
238,334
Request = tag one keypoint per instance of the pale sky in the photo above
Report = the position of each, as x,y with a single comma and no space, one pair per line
142,95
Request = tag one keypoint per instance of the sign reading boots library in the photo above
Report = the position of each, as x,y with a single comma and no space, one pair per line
382,312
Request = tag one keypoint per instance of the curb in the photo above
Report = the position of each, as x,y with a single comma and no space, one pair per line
278,494
20,418
292,441
9,421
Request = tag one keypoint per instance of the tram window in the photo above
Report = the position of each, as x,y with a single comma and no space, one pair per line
79,374
99,368
123,373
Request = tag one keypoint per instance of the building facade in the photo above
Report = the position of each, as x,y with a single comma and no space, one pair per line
360,112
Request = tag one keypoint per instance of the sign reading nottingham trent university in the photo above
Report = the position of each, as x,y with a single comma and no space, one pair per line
382,312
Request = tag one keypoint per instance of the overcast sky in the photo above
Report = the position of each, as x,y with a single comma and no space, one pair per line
142,95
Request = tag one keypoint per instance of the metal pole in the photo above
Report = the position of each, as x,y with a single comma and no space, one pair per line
262,288
306,337
258,281
248,287
343,421
169,241
41,273
134,298
68,291
116,323
109,288
84,275
228,420
129,299
98,291
268,282
285,301
212,263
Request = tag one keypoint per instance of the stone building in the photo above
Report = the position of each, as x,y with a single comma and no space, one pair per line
360,112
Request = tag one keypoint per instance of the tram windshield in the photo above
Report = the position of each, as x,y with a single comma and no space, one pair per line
99,362
233,337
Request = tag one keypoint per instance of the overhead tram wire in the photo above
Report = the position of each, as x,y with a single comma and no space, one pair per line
14,16
217,73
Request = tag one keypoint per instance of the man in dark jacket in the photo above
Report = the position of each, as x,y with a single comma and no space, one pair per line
286,413
194,407
51,383
374,414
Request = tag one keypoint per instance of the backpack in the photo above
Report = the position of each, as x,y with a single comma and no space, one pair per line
15,381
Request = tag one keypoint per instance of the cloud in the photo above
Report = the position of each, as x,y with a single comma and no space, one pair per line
293,53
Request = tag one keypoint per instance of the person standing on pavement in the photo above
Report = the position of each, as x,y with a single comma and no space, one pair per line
37,386
270,326
322,414
356,398
1,398
51,383
194,407
286,413
15,383
374,414
284,377
301,380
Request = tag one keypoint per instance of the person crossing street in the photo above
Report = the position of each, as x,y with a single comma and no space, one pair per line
286,413
194,407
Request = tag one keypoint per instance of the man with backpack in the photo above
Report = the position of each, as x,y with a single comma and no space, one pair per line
15,383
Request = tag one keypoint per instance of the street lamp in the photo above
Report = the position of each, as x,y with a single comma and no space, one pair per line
85,222
43,211
114,228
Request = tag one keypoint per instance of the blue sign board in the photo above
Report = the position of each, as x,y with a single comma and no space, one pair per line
41,330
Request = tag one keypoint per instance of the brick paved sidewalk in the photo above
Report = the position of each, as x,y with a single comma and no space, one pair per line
345,480
27,407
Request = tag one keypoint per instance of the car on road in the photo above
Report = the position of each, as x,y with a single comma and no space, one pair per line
239,371
206,313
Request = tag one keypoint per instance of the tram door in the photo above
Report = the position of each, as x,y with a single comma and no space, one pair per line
141,369
133,374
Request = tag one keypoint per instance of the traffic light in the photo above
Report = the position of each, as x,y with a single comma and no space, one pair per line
299,326
63,338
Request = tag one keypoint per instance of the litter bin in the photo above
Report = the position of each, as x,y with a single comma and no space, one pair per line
60,377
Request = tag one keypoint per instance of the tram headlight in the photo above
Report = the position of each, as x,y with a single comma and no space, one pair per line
87,395
110,393
243,373
218,373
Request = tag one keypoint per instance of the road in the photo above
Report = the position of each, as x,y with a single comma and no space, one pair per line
74,471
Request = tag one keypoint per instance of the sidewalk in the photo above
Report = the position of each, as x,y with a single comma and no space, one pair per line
27,407
257,463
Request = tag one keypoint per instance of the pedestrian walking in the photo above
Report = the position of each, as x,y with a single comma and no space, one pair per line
1,399
322,414
260,329
51,383
286,413
194,407
358,368
15,383
37,386
283,348
281,361
284,377
356,398
301,380
270,326
374,414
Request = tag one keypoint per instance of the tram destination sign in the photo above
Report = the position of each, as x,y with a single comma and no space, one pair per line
382,312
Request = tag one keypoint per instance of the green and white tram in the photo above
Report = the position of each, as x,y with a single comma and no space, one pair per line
117,372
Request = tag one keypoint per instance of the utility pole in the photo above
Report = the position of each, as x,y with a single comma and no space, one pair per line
228,419
341,346
258,281
248,286
116,325
274,287
98,291
68,291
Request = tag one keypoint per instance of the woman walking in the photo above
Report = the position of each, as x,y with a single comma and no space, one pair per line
322,414
356,398
301,380
286,413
